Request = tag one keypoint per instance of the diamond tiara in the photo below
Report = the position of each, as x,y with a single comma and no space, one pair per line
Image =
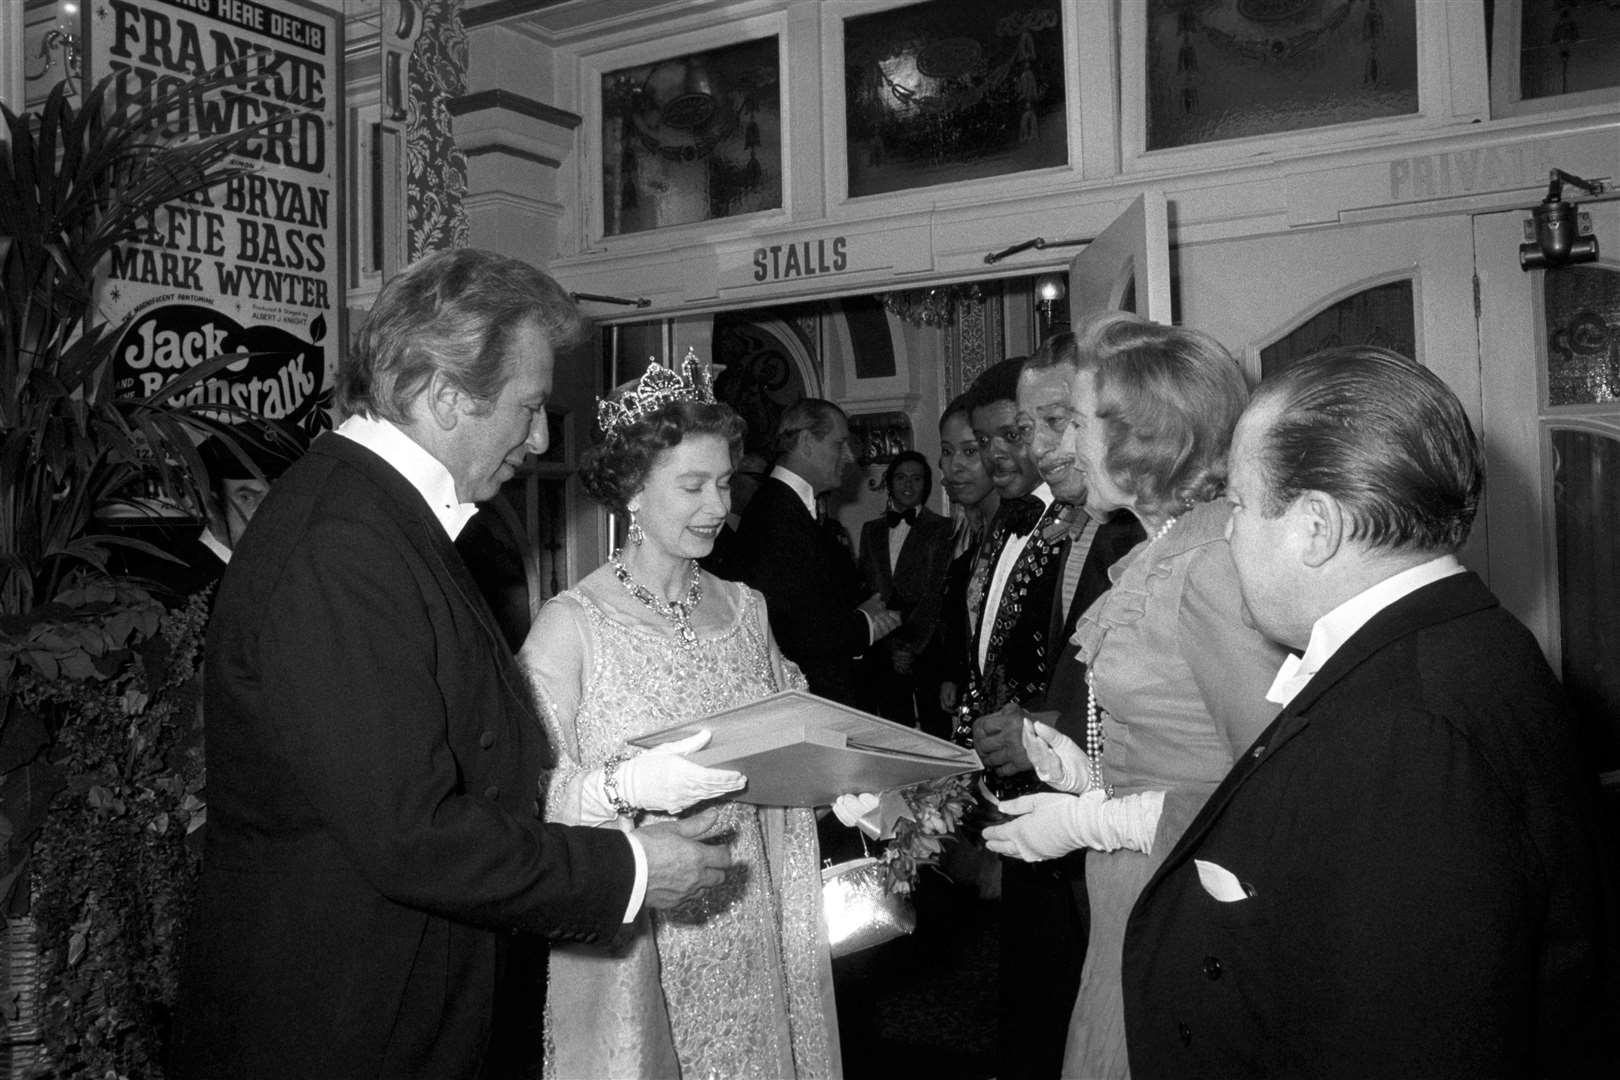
658,386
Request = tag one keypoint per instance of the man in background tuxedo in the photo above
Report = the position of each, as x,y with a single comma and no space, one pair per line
1404,876
821,614
823,618
904,555
1066,560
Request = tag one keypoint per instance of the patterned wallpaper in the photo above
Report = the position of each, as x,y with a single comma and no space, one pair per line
437,177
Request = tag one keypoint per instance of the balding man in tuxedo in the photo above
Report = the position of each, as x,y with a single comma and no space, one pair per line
1404,876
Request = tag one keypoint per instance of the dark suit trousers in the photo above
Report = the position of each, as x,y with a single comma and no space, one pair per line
1045,919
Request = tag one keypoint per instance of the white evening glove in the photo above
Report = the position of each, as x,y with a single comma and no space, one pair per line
874,815
1058,759
1049,824
657,779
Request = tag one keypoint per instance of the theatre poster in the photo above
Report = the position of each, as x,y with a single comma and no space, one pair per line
252,266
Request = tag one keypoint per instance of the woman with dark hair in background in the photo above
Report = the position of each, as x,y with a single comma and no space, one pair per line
738,982
903,557
1176,682
974,500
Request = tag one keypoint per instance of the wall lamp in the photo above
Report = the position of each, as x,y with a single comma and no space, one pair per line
1554,227
1049,289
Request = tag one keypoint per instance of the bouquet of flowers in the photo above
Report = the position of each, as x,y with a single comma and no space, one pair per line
914,824
936,808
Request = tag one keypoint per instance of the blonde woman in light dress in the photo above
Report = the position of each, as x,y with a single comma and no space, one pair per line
1177,680
737,983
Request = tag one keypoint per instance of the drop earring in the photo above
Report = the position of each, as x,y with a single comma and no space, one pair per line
634,531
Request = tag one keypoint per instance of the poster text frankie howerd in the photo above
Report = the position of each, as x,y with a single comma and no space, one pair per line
251,266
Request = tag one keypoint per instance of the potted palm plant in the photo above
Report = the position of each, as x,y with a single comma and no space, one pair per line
99,767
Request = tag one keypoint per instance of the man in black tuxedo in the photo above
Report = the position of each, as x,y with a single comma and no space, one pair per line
374,859
1044,910
904,554
823,618
821,614
1404,876
1008,659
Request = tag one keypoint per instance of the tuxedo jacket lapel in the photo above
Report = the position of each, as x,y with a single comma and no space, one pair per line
914,550
984,564
426,533
1441,601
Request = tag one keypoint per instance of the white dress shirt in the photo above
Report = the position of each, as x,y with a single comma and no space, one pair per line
427,475
897,541
215,544
422,470
799,485
1332,630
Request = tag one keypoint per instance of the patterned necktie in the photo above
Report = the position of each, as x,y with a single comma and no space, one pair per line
1061,518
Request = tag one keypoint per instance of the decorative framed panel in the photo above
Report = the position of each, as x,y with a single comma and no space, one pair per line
1383,315
1553,54
952,90
1216,80
1581,311
53,45
691,137
1225,69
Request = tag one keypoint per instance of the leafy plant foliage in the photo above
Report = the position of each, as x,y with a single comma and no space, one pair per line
74,184
114,868
100,766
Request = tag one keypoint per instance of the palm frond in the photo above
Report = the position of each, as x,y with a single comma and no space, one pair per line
76,181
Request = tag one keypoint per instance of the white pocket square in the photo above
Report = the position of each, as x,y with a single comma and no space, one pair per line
1220,882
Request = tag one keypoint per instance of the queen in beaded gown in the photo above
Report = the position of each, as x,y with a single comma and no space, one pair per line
737,982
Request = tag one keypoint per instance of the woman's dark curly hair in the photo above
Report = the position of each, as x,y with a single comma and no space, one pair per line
615,470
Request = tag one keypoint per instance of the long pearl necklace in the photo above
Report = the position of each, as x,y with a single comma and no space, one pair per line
1094,739
1094,727
678,612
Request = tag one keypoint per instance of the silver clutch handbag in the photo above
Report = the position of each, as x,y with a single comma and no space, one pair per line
859,911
